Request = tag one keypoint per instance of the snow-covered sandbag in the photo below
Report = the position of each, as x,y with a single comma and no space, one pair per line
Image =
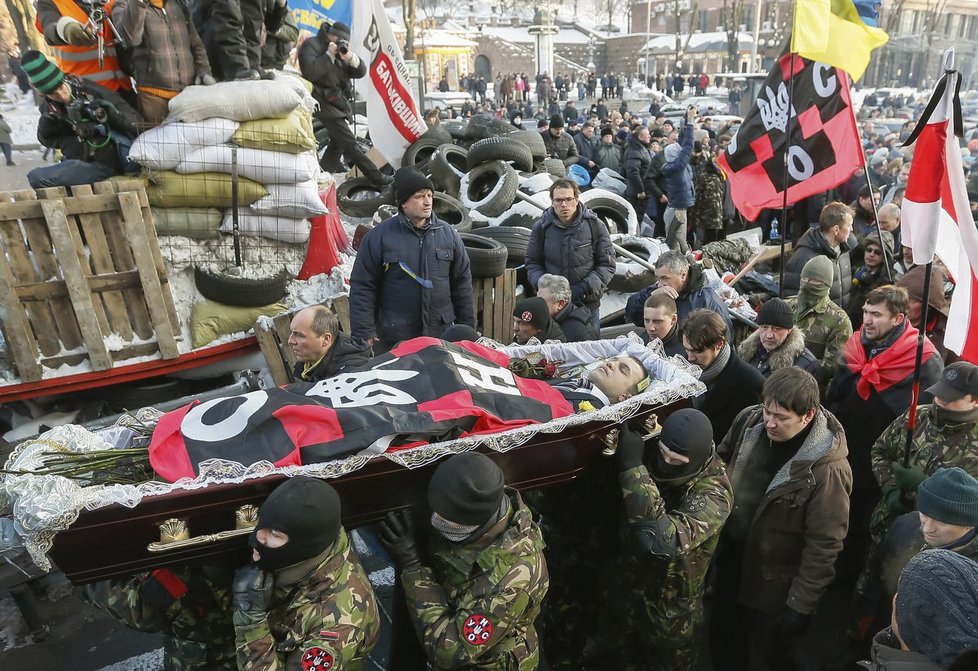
241,101
266,167
283,229
296,201
163,147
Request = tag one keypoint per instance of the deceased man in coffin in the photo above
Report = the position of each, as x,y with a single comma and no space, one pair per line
423,390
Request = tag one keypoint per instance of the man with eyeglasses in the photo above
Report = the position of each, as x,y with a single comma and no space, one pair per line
570,240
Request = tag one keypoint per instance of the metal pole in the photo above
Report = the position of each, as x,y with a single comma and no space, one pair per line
918,360
757,36
648,35
235,232
784,199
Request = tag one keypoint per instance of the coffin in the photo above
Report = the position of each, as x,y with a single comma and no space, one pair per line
128,529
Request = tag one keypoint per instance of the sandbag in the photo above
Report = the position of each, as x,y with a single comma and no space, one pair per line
163,147
609,180
201,223
209,320
301,86
293,134
265,167
298,201
283,229
238,100
206,189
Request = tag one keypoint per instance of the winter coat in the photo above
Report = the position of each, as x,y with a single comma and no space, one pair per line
388,303
678,174
637,161
5,132
695,295
330,78
609,156
802,518
562,147
888,656
826,328
737,387
575,322
345,354
586,149
707,211
813,244
165,51
572,252
279,43
792,352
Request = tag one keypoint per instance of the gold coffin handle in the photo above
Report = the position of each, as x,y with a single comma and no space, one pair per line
175,533
651,426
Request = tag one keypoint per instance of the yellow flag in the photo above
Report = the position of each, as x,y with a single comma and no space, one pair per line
831,31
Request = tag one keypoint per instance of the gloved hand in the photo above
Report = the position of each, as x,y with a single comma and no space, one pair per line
908,478
204,79
577,294
631,448
791,624
252,588
77,35
397,535
895,501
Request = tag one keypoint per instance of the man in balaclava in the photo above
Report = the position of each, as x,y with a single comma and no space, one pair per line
305,601
475,599
824,324
675,508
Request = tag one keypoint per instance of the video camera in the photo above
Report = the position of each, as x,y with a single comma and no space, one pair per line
88,117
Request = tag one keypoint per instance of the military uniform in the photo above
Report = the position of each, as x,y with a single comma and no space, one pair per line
826,327
190,604
327,620
652,595
476,605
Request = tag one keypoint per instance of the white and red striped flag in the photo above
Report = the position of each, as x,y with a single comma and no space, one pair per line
936,215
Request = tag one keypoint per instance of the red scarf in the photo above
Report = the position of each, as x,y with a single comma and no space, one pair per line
888,368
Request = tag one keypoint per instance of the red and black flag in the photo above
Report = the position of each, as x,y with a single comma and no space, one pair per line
823,149
421,391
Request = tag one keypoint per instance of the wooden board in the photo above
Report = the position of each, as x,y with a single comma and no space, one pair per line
494,303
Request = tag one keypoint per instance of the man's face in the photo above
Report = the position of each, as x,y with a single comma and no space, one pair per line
840,232
588,132
565,204
523,331
878,321
783,424
306,345
873,256
553,305
703,357
667,278
62,94
556,132
617,377
607,138
644,136
963,404
938,534
904,174
913,311
270,538
866,202
659,322
907,256
418,207
667,127
772,337
889,221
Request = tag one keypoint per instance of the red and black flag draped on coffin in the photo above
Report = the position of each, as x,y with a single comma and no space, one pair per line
824,148
422,390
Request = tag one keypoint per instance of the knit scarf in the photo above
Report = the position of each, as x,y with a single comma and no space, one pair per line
712,372
887,368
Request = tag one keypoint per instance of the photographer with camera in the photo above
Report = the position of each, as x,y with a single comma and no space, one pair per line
327,61
77,31
91,125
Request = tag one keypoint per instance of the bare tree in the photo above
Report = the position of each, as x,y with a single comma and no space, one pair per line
410,17
733,15
683,9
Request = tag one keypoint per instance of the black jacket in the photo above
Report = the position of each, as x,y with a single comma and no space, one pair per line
737,387
695,295
672,344
562,147
813,244
330,78
637,162
575,322
345,354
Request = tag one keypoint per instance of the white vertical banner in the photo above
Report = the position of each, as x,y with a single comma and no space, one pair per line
392,112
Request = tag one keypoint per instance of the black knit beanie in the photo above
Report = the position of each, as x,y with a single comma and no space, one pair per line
533,311
776,312
340,29
466,489
950,496
556,121
407,182
306,509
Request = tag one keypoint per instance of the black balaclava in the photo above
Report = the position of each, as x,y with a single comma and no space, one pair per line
687,432
306,509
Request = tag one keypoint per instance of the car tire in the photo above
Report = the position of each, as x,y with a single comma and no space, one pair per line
447,166
455,129
487,257
242,292
629,276
514,237
451,211
419,153
554,166
500,148
533,140
438,132
480,127
358,197
608,205
490,188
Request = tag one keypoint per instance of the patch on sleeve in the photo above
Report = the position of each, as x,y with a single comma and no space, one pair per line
477,629
316,659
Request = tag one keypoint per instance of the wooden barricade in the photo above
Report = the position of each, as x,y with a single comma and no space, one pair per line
273,338
82,277
495,298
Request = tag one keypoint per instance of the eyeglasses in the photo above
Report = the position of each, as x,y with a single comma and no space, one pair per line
564,201
875,251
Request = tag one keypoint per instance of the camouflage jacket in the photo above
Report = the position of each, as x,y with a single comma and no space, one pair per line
476,605
328,620
679,525
826,327
189,603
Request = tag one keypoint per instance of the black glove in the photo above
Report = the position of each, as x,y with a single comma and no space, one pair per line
397,535
252,589
631,448
791,624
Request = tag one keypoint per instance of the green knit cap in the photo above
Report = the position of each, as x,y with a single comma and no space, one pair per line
819,268
44,75
950,496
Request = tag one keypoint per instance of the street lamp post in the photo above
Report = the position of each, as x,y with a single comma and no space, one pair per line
590,54
757,33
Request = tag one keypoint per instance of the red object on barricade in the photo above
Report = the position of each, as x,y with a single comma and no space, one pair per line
333,217
322,254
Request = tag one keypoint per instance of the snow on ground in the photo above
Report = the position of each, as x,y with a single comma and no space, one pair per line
149,661
22,117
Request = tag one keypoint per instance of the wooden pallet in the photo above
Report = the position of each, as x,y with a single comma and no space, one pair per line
273,338
78,269
495,298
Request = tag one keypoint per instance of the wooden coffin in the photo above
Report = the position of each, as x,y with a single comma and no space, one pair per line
115,540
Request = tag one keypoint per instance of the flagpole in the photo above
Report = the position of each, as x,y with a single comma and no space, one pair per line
918,361
787,145
876,217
